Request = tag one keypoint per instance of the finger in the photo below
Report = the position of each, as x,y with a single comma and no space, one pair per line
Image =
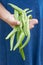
32,26
16,23
34,21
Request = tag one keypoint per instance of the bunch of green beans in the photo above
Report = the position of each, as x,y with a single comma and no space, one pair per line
21,30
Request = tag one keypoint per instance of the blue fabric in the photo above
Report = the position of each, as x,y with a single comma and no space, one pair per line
0,0
34,50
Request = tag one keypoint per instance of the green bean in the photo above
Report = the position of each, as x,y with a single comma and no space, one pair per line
29,16
12,37
28,30
25,10
21,51
11,42
16,14
24,25
29,11
28,38
25,17
16,8
26,42
11,33
21,37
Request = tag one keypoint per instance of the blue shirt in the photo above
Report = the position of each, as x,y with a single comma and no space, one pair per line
34,50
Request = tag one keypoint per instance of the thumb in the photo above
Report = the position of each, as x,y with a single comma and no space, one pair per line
15,22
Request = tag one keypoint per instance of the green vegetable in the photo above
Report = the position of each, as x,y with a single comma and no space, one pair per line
22,30
11,33
21,37
26,42
29,16
19,18
28,33
11,42
26,9
29,11
21,51
16,8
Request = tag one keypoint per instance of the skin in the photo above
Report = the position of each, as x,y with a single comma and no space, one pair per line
7,17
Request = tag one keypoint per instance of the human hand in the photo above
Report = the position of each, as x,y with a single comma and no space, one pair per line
6,16
11,21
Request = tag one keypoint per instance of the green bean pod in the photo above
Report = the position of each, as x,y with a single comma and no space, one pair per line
12,42
28,31
29,11
26,42
18,33
28,37
11,33
21,51
16,8
21,37
12,37
24,24
30,16
25,10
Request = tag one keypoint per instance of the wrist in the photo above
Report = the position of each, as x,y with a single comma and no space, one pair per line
4,14
7,16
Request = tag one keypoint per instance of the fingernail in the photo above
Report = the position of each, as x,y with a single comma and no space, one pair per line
36,21
32,26
18,23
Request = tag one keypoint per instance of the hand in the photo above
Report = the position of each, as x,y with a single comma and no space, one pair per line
6,16
11,21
